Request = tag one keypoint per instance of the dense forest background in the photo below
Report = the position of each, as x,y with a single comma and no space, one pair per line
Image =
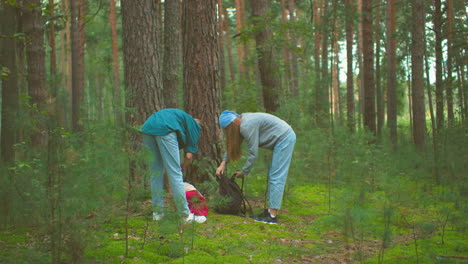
376,91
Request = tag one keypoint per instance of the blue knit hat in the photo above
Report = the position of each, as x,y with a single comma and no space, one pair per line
226,118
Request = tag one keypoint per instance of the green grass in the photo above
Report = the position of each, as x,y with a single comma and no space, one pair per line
307,233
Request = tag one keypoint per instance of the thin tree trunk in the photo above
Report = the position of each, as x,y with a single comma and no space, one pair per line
408,92
222,64
463,92
435,136
324,101
349,64
336,81
417,52
68,63
229,47
320,96
240,48
172,54
115,64
368,67
450,84
438,64
378,86
360,76
293,57
10,103
286,53
391,71
53,51
76,65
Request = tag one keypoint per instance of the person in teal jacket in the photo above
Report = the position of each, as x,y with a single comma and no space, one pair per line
165,133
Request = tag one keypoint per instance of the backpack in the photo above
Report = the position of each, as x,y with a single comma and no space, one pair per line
233,200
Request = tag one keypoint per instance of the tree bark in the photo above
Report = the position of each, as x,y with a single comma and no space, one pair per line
324,101
226,27
349,64
378,86
265,56
35,57
115,64
293,56
417,83
201,82
222,63
438,64
10,103
335,69
240,46
286,52
77,62
172,55
450,84
391,71
368,67
142,71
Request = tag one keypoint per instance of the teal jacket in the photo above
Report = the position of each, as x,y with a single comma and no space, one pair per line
170,120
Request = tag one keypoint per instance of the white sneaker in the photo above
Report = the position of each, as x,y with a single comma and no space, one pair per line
190,218
157,217
200,219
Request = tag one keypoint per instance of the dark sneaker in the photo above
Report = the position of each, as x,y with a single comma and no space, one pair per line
266,218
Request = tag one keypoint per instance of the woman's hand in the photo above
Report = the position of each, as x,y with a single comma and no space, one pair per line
187,161
239,174
221,168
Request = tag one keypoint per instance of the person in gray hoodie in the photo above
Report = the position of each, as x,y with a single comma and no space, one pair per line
265,131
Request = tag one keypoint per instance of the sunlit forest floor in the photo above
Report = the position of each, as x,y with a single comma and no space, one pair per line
307,233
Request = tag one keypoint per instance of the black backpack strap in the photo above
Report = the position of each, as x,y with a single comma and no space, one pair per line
246,211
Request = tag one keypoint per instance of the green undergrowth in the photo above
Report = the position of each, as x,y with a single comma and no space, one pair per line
313,229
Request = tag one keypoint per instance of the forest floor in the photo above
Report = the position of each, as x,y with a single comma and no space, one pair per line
305,234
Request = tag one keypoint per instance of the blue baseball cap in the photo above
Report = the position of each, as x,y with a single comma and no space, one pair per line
226,118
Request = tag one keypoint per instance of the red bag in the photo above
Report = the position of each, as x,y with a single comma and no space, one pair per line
197,204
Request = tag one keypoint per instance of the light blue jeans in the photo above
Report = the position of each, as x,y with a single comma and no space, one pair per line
282,154
166,156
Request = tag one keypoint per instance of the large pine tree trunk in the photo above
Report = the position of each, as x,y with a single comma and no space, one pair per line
141,59
172,55
349,65
142,71
201,81
10,103
368,67
391,71
265,55
36,72
417,83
